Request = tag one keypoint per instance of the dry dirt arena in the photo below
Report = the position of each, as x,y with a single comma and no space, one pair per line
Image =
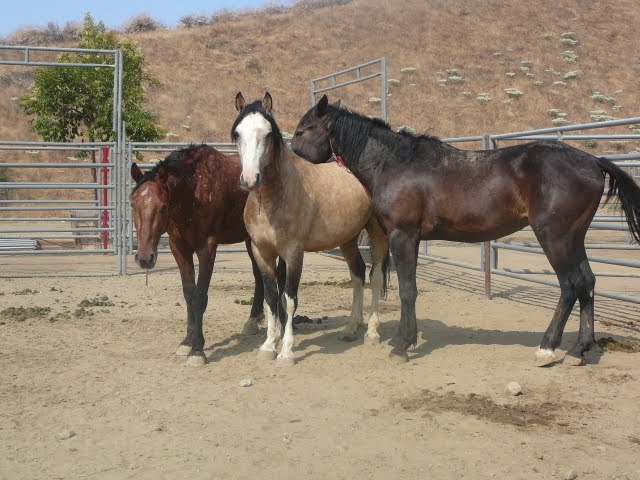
106,372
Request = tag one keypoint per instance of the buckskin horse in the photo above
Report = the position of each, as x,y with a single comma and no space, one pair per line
195,197
424,189
295,206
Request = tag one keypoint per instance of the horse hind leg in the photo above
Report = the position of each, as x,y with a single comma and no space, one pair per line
379,258
585,284
252,325
569,260
357,269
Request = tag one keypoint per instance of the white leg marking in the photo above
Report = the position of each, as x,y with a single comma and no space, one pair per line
273,331
372,335
286,354
545,356
350,330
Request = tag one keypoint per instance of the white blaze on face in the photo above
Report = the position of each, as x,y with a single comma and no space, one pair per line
252,145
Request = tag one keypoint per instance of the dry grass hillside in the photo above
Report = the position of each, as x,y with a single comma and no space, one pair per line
459,50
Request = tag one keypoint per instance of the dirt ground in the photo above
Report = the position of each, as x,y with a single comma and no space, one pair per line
105,370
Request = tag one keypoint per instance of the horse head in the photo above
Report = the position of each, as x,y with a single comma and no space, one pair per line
311,140
258,138
150,202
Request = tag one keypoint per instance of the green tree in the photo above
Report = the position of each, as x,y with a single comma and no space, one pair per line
70,103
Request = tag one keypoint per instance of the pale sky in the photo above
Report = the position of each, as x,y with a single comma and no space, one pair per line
16,14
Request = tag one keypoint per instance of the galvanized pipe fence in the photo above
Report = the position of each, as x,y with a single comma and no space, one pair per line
106,218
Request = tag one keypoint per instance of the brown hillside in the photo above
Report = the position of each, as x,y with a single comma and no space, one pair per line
202,68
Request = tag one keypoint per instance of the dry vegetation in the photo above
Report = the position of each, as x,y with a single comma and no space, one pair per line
280,50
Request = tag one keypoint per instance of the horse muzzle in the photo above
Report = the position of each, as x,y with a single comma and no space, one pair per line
250,184
149,262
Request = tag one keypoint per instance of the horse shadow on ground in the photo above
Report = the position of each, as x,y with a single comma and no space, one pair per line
238,344
436,335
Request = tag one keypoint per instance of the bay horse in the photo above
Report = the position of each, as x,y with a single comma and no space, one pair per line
295,206
194,196
424,189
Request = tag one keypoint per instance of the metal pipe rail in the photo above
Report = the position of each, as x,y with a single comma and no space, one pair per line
54,186
335,84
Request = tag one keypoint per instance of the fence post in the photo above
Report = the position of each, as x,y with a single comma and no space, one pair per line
104,216
486,246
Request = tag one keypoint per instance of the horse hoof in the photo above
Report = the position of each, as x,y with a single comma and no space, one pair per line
285,362
198,360
251,327
545,357
398,357
372,339
183,350
267,355
573,360
348,337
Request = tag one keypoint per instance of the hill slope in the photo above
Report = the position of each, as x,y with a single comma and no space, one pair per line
493,46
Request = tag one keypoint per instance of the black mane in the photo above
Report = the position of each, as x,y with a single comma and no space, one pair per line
351,131
174,163
276,135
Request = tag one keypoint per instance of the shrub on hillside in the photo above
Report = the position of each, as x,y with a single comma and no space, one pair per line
52,33
315,4
192,21
142,22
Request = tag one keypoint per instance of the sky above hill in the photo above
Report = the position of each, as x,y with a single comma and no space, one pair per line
113,13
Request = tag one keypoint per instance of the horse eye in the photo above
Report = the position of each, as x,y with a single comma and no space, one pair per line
235,135
298,133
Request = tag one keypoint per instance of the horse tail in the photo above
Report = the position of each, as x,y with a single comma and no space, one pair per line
621,184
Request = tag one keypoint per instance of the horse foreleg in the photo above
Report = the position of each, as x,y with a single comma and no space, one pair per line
281,274
357,269
206,260
290,294
266,261
184,259
404,248
251,326
379,251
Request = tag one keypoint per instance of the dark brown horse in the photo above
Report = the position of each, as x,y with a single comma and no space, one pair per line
423,189
195,197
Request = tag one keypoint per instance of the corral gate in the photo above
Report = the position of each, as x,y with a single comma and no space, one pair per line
58,222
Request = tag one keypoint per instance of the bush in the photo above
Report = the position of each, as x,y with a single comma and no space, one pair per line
192,21
315,4
142,22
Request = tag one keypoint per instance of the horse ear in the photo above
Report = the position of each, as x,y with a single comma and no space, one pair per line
162,173
336,104
239,102
321,107
267,102
136,173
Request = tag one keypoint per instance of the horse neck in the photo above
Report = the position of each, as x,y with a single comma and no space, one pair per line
181,196
280,178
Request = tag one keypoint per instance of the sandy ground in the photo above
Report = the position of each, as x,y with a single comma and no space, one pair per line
108,373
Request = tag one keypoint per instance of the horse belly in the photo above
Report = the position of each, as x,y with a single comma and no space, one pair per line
340,215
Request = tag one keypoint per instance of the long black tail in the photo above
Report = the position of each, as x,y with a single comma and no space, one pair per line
621,184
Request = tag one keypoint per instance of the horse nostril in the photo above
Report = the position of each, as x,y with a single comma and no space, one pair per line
257,179
152,258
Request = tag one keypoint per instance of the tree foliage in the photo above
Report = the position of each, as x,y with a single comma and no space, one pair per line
70,102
